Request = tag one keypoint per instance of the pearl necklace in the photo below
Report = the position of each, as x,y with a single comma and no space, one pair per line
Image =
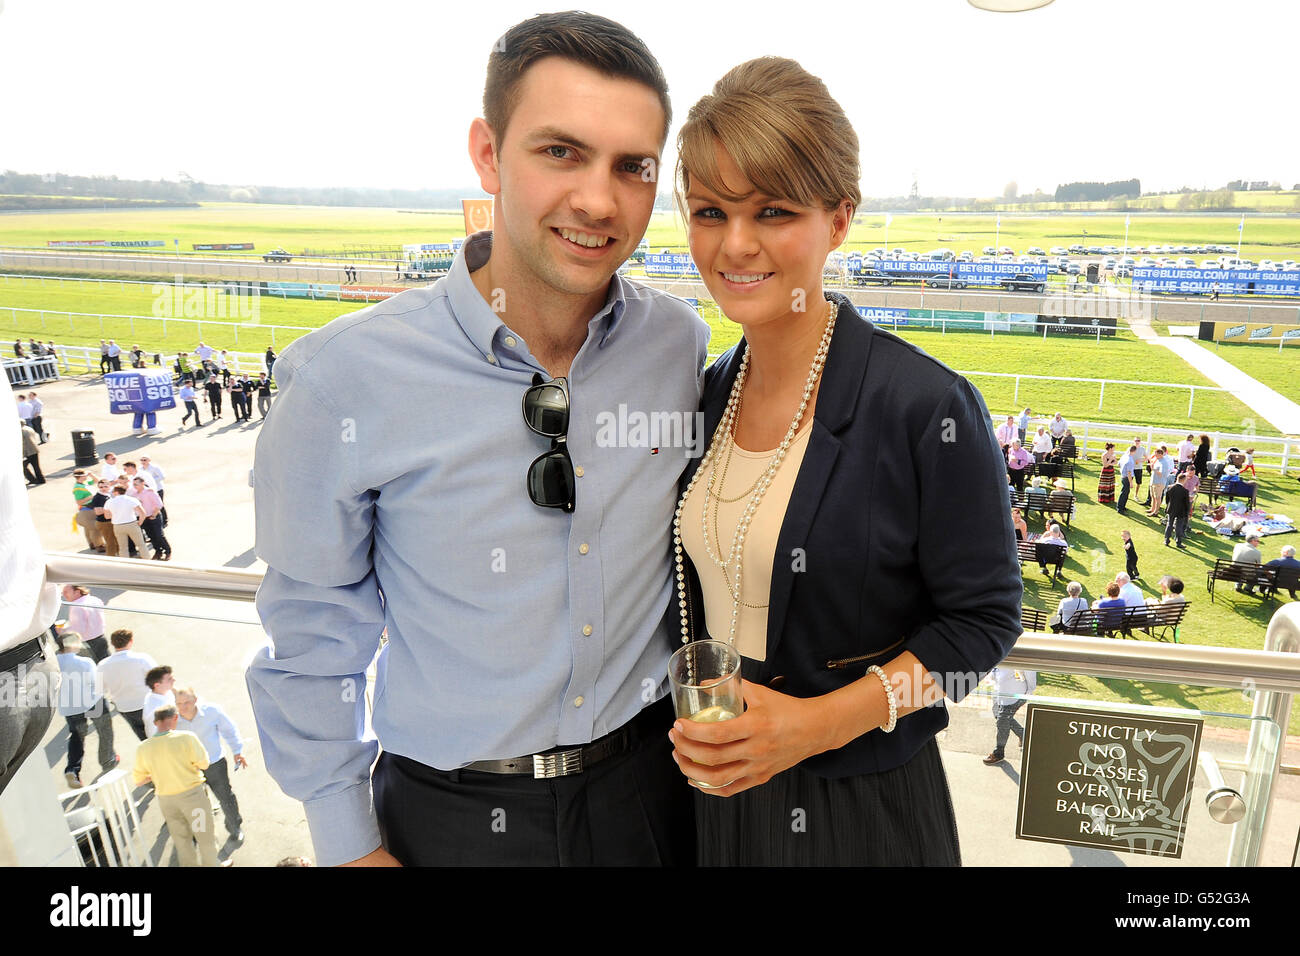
725,434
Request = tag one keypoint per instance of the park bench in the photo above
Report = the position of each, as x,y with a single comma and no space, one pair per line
1284,579
1240,572
1053,555
1045,504
1032,619
1160,621
1230,489
1051,470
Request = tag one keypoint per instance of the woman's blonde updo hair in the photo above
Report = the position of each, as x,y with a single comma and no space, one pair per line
782,129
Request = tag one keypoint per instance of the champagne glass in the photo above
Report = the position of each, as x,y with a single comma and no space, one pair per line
705,677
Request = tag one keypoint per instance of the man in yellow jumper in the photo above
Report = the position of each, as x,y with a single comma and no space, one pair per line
175,760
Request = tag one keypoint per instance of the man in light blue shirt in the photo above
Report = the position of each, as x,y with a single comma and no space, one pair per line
512,541
80,703
1126,470
211,725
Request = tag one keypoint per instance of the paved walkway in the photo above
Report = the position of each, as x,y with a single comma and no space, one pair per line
1278,410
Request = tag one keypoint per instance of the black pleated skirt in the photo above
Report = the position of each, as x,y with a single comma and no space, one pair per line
901,817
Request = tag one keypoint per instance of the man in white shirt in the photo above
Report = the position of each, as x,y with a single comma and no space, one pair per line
1139,467
127,515
1008,681
1186,452
122,677
204,352
1057,428
85,617
38,410
29,673
1129,591
110,471
132,472
159,681
24,410
115,355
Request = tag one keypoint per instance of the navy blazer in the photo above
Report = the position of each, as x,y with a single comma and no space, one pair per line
897,537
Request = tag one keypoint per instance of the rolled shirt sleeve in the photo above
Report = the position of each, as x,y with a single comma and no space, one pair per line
320,605
966,545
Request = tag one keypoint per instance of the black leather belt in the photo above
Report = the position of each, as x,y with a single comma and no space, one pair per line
24,653
565,761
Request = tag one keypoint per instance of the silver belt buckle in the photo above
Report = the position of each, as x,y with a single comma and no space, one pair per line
562,764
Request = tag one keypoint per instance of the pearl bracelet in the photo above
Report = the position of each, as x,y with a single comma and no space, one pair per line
889,693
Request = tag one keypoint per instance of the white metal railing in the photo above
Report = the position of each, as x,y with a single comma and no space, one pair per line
1271,453
111,814
1102,383
233,286
87,357
1273,672
46,314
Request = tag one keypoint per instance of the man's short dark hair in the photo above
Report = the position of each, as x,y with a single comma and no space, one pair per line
593,41
1175,585
155,675
121,638
164,713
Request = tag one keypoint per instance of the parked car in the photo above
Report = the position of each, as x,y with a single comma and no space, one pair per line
945,282
1022,282
1035,251
276,255
870,276
1057,251
1076,250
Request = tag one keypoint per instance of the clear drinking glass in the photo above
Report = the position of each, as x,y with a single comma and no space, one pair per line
705,677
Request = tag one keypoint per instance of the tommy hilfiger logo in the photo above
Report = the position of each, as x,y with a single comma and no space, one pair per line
653,430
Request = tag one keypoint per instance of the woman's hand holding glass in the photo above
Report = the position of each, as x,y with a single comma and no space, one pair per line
775,732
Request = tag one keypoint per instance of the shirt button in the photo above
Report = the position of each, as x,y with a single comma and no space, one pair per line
492,358
510,341
578,701
586,630
578,471
582,548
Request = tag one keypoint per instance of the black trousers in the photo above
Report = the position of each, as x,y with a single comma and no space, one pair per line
153,527
79,725
214,399
96,648
32,469
30,688
218,775
191,409
36,427
135,720
634,809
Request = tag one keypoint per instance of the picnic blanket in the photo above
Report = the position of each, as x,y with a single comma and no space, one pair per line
1238,522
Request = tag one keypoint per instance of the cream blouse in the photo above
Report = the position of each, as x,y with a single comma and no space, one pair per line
739,471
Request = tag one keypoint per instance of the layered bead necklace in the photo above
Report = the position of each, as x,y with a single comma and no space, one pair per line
723,438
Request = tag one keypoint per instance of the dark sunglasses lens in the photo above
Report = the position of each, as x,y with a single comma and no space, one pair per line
551,481
546,410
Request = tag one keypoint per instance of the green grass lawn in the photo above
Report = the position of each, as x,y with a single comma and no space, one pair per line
1279,370
1123,357
1096,555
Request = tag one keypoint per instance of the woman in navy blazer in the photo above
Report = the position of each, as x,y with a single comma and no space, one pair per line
895,549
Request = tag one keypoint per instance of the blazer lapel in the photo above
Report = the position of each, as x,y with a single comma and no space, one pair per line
846,364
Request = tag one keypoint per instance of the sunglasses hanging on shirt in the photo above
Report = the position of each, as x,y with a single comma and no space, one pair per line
551,482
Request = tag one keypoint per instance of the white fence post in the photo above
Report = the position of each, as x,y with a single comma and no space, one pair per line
1101,397
1191,397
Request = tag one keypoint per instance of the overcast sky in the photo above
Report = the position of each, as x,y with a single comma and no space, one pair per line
380,93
